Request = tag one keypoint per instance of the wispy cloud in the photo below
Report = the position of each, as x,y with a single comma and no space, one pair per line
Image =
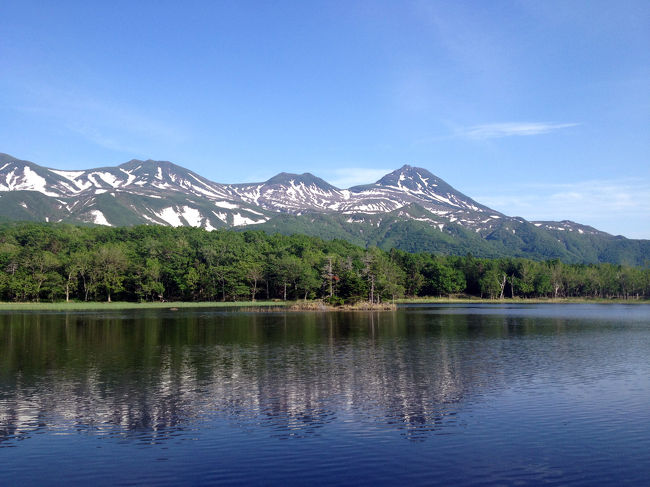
616,206
99,137
106,122
509,129
353,176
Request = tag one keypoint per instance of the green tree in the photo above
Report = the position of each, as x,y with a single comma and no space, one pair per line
109,265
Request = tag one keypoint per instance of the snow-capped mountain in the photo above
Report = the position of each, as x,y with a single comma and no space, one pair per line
134,176
409,208
417,184
412,185
156,192
301,193
291,193
234,204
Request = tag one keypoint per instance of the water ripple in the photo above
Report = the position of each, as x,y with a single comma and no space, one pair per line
518,395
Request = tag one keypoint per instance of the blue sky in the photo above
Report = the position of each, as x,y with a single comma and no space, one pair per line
537,109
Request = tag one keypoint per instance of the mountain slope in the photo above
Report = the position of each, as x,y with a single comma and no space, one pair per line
291,193
392,230
409,208
136,192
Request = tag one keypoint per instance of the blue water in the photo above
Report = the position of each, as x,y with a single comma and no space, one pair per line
427,395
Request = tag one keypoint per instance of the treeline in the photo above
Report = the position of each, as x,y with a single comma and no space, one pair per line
153,263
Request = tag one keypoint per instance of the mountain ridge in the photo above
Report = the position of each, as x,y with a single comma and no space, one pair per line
410,208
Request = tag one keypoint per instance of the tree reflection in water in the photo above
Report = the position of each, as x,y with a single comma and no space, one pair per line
152,375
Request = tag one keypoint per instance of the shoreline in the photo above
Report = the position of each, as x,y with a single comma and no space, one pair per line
295,305
448,300
117,305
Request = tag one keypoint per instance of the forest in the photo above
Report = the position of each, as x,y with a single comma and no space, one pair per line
57,262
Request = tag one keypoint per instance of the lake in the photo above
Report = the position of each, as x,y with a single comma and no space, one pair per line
555,394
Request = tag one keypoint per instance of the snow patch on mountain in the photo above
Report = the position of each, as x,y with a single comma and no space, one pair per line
71,175
148,218
108,178
99,218
192,216
171,216
225,204
221,216
25,180
130,177
239,220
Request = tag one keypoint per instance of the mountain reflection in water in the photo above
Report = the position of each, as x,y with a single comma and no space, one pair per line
426,395
150,374
153,373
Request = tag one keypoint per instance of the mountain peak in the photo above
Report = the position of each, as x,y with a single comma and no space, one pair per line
409,177
149,164
407,168
308,179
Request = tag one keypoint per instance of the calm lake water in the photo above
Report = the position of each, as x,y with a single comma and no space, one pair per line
427,395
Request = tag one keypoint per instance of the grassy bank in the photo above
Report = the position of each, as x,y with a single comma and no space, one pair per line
475,300
315,305
100,306
294,305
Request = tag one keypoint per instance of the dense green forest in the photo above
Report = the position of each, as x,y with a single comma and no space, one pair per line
153,263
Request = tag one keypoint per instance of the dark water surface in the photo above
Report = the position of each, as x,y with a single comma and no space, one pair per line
427,395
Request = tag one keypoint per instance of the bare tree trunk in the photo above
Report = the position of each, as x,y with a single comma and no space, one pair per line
67,287
330,276
503,285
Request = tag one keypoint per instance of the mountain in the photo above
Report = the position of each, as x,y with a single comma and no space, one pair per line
409,208
416,184
135,192
291,193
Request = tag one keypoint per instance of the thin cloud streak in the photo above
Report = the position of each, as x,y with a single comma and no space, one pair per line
105,122
510,129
